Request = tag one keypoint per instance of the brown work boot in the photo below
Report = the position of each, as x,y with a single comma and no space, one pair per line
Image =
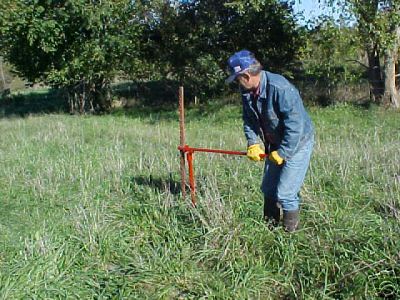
291,220
272,212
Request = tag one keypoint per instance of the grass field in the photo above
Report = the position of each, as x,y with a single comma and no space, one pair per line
91,209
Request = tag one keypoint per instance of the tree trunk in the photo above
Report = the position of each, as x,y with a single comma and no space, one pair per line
90,97
3,79
375,74
4,88
391,95
102,95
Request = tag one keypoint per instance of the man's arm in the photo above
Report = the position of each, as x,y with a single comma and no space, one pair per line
251,131
290,106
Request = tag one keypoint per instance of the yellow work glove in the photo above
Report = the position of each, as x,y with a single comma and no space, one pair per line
254,151
275,158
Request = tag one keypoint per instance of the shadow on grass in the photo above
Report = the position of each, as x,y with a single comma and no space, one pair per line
390,209
363,103
152,101
35,102
152,93
158,183
158,100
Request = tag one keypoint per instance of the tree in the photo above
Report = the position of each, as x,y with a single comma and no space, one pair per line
330,53
378,23
391,43
193,40
77,44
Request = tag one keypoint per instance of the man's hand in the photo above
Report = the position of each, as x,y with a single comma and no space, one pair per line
254,152
275,158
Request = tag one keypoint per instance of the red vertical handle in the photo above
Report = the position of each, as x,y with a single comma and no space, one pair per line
192,183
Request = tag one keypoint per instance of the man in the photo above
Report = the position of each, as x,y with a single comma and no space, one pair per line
273,111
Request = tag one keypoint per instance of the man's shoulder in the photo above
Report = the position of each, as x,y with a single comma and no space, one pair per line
277,81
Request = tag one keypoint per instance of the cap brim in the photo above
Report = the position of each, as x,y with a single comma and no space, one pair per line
231,78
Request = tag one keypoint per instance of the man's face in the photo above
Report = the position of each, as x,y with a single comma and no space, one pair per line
244,80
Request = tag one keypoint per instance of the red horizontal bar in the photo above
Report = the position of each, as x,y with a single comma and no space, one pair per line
186,148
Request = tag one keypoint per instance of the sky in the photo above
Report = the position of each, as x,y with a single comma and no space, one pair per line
310,8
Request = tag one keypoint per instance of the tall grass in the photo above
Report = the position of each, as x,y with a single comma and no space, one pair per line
90,208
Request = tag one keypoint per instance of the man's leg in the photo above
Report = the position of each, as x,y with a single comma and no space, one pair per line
290,181
272,212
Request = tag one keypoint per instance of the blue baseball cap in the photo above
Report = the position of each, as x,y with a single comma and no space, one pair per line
239,63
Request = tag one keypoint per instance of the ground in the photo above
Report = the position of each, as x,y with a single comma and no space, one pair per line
91,208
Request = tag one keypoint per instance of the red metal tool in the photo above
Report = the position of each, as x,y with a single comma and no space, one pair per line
187,153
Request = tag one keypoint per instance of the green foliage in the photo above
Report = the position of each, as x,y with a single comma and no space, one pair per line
377,21
91,209
74,44
333,54
192,41
84,45
378,24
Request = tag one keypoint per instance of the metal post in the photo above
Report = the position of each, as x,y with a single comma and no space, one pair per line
182,139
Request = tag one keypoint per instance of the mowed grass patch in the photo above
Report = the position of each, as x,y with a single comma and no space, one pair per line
91,208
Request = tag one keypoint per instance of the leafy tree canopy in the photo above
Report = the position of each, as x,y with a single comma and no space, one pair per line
193,40
69,43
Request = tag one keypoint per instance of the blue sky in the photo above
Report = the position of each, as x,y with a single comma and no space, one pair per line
311,8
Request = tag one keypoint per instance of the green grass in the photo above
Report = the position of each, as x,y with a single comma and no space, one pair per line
90,208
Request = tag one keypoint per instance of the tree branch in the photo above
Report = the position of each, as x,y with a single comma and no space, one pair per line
354,60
